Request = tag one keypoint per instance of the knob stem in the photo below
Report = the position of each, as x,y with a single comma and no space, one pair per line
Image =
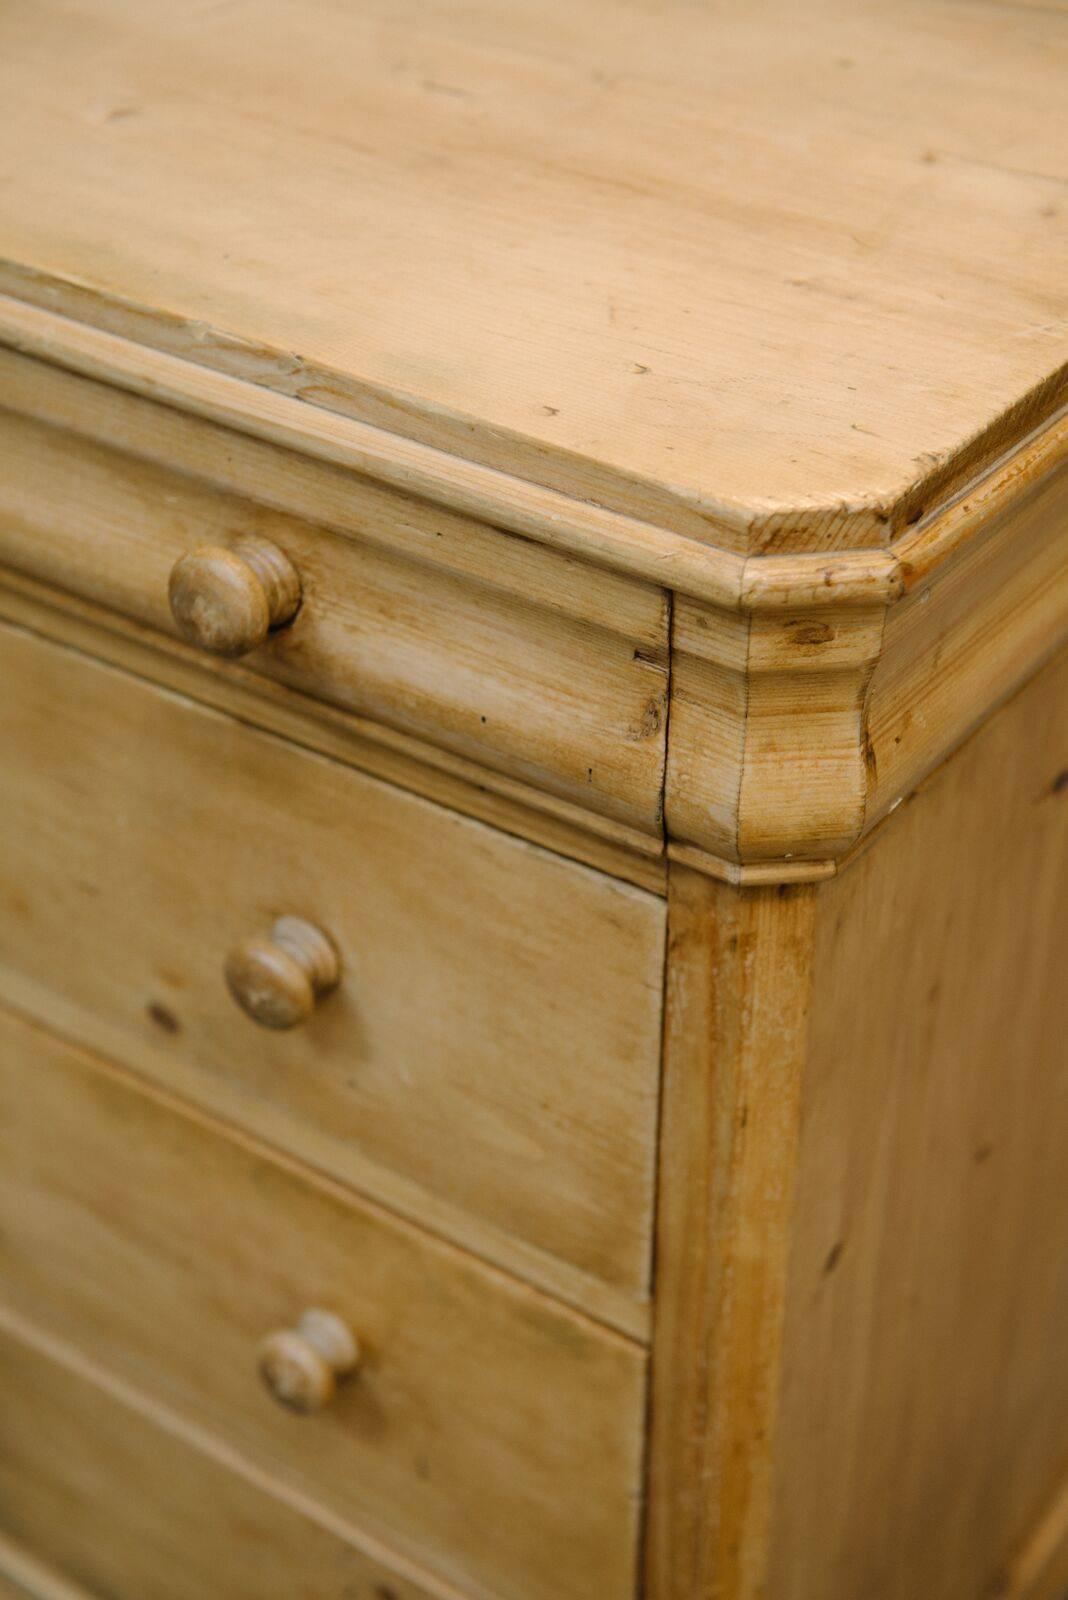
276,573
310,948
333,1338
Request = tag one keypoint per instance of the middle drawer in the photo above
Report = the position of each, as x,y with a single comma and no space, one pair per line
488,1063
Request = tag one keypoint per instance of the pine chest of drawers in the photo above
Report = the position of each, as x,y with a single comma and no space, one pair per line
534,797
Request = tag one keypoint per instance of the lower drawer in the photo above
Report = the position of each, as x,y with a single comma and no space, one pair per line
489,1435
129,1510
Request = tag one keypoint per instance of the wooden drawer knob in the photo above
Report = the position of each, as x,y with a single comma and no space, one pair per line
301,1365
227,600
278,980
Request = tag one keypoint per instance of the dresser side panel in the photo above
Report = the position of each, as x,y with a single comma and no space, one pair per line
923,1421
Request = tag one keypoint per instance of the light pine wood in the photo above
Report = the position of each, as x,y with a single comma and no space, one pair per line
628,545
465,1069
821,282
859,1377
927,1292
737,1003
490,1435
767,755
800,711
277,980
502,652
796,729
227,598
544,516
301,1366
130,1502
970,629
643,428
410,764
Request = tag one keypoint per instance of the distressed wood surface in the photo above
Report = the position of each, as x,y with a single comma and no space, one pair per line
673,259
859,1383
491,1436
794,731
466,1070
407,763
739,971
503,652
927,1298
126,1499
967,634
794,727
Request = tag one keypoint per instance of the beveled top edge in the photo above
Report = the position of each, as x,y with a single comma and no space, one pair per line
773,289
641,549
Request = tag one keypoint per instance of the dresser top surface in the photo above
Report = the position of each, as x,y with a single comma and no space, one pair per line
772,286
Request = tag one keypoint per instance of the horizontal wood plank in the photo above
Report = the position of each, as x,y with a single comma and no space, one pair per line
107,1494
778,290
489,1062
489,1435
496,649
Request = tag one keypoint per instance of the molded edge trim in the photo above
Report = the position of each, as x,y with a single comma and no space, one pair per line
777,594
608,538
872,520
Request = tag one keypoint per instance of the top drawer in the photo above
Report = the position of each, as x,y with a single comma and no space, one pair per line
501,651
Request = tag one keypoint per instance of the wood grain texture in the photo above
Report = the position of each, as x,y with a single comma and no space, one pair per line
490,1435
859,1382
802,706
925,1367
125,1499
468,1069
794,731
23,1577
506,654
546,516
278,977
766,759
967,634
823,281
406,763
226,599
739,970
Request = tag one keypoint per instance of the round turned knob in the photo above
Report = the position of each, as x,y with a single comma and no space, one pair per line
301,1365
227,600
278,980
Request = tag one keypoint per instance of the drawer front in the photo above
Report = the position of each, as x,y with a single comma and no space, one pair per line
497,649
487,1433
489,1059
132,1510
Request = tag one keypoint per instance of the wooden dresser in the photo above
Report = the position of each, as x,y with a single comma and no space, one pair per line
533,800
